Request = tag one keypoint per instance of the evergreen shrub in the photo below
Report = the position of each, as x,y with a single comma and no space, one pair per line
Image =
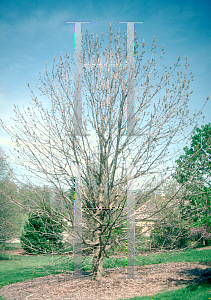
42,232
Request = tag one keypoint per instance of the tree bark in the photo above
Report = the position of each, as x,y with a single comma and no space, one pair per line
97,264
97,261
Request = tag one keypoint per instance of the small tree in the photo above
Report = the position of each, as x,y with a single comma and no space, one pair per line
48,147
42,232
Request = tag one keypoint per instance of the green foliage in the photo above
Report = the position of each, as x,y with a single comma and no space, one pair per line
195,163
194,172
43,232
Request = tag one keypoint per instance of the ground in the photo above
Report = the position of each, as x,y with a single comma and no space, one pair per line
150,279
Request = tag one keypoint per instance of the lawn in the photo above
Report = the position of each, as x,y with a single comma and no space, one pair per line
200,291
19,268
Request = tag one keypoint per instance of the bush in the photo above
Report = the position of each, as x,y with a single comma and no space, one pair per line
201,235
42,232
170,238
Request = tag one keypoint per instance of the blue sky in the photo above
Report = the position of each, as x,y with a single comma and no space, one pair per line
33,32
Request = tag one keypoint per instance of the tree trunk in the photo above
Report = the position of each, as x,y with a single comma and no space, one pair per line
97,261
97,264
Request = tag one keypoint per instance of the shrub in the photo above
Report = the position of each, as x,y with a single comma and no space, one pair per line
201,235
170,237
42,232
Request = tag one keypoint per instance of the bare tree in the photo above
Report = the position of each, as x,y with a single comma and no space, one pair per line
48,148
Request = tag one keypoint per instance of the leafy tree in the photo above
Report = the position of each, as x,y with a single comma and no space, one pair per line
193,172
42,232
48,146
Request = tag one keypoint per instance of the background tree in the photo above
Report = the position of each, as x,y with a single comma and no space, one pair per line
11,216
194,173
170,230
47,147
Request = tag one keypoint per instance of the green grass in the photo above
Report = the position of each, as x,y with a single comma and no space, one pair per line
20,268
176,256
200,291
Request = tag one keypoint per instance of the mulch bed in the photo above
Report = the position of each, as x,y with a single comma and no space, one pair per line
149,280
